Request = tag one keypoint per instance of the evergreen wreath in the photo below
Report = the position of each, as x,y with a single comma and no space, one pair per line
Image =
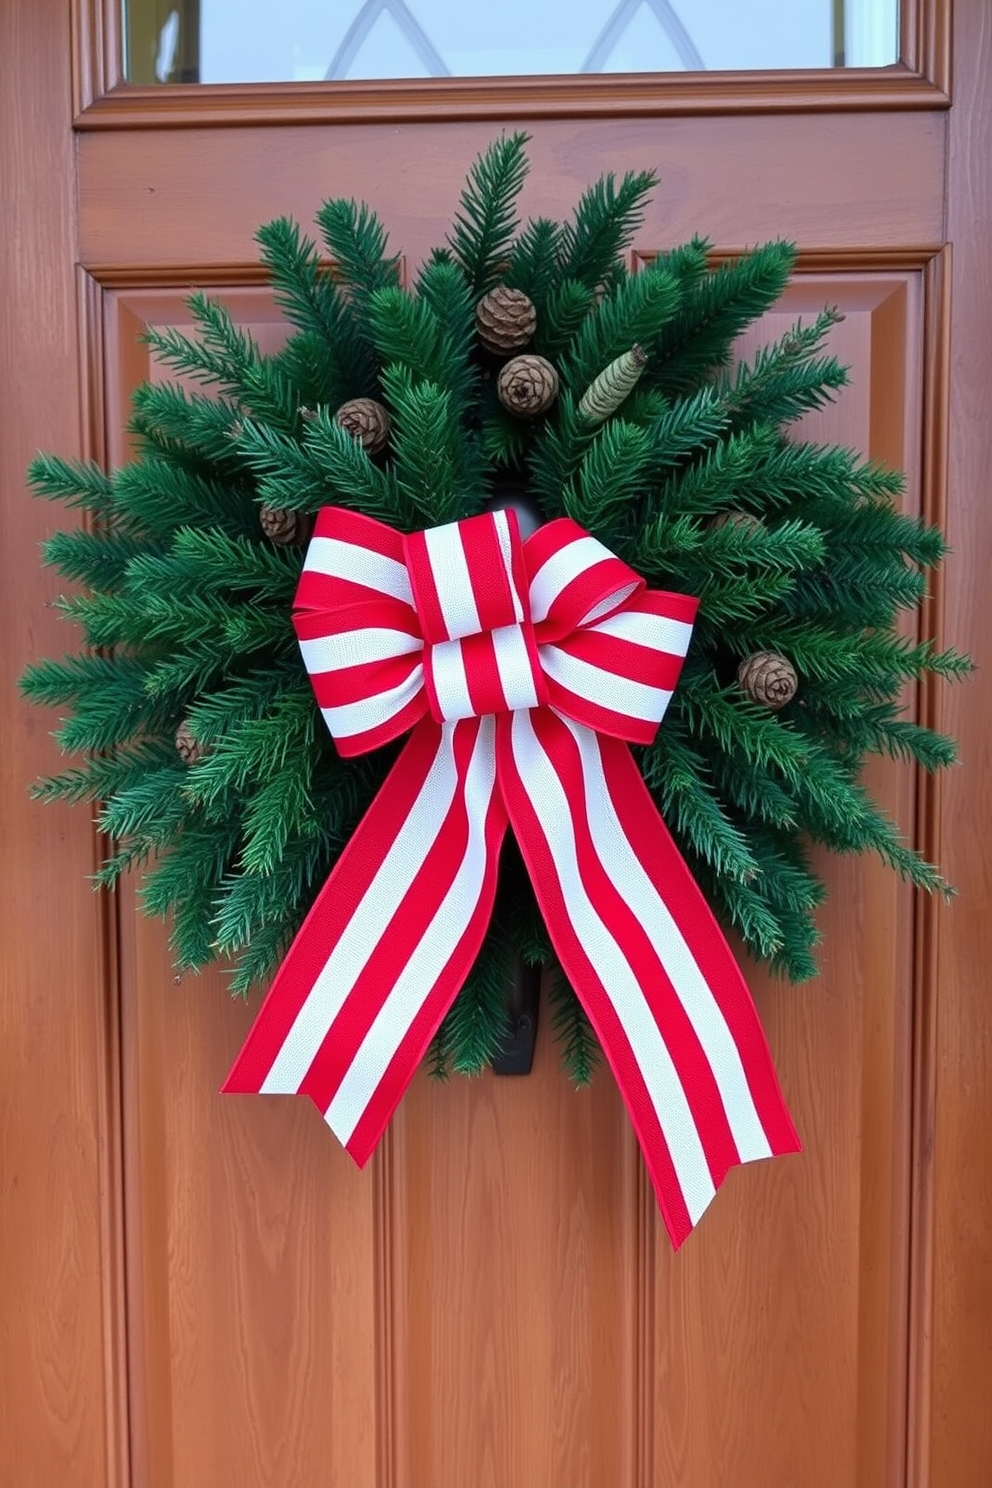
202,738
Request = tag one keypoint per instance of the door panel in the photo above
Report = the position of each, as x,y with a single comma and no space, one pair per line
845,182
495,1302
203,1290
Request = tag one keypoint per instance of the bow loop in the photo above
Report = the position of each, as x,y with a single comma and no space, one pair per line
574,579
617,676
359,633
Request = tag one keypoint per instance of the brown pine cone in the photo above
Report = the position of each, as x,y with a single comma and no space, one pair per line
282,526
742,520
505,319
367,421
769,679
527,386
190,750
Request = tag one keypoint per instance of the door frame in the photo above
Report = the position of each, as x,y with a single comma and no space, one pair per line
63,1229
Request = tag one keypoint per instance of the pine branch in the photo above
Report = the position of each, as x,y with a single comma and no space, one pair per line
605,221
184,884
442,287
77,483
259,959
357,240
209,562
580,1052
107,694
786,380
609,477
477,1021
255,748
228,356
558,454
533,265
721,476
247,903
188,430
633,315
485,226
105,774
328,467
687,264
333,351
153,807
712,316
686,427
561,317
677,776
99,559
351,478
744,907
155,498
428,449
279,810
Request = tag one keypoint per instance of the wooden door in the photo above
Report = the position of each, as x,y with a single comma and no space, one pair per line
201,1292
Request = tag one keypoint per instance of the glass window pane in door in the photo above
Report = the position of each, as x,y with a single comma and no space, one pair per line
238,41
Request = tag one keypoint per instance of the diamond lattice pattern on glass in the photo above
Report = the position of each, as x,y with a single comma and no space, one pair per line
231,41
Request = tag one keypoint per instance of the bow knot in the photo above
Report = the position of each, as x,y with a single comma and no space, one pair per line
523,669
470,590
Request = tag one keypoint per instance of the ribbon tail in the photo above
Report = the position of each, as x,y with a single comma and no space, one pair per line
389,940
645,955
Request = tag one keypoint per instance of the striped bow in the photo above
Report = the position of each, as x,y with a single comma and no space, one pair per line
524,670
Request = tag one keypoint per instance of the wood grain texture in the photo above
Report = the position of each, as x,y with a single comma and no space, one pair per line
515,1282
956,1440
781,1327
60,1407
147,197
251,1242
252,1258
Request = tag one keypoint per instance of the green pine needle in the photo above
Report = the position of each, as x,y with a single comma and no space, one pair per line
606,221
577,1043
484,227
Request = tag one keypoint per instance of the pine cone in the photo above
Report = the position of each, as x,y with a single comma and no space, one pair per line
189,749
527,386
505,319
745,521
769,679
605,395
282,526
367,421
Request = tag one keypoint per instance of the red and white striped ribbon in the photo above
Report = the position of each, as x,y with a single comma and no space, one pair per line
523,669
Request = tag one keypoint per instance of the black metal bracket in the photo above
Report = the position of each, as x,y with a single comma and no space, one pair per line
517,1054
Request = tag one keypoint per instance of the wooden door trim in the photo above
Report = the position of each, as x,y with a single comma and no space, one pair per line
936,390
955,1428
250,273
929,909
103,100
113,1266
